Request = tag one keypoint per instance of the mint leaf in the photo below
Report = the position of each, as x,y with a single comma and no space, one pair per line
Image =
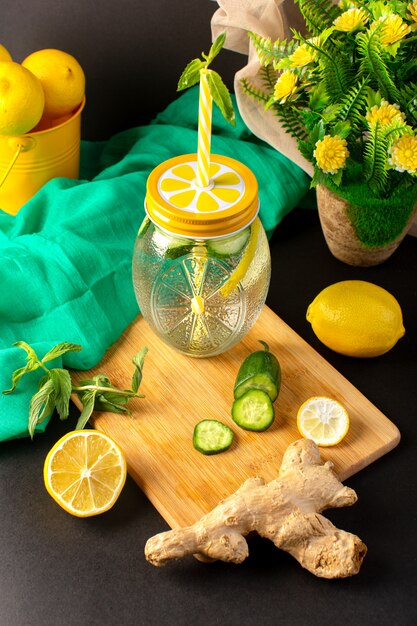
138,361
102,403
87,399
191,74
60,349
31,354
62,385
215,48
31,366
41,405
221,96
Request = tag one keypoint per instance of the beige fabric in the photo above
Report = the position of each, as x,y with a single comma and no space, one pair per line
269,18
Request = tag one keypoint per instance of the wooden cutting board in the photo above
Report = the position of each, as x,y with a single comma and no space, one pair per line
182,483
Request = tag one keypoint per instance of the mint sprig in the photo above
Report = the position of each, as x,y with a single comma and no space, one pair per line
55,388
218,90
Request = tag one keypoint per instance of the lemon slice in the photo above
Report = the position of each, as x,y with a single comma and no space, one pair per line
85,472
323,420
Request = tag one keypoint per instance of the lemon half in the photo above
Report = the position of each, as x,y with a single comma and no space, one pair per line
85,472
323,420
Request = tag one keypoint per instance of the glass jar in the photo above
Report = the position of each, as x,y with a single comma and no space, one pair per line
201,263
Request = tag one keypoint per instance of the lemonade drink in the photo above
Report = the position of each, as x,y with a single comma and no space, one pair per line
201,265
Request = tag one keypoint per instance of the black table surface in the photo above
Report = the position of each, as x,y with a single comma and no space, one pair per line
57,569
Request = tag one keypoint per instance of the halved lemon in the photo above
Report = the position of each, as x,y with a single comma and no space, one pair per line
85,472
323,420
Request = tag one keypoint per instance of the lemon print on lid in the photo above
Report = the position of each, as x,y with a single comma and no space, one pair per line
177,203
180,188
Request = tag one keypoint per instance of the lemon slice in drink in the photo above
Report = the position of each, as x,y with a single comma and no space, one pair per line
323,420
85,472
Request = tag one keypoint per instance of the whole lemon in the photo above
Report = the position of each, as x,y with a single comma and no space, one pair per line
62,79
5,54
356,318
21,99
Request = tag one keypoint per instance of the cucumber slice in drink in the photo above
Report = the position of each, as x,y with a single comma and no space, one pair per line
172,247
212,437
253,411
229,246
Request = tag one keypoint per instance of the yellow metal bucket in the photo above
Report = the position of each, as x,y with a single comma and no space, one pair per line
28,161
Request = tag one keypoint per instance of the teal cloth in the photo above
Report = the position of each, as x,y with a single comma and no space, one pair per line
65,258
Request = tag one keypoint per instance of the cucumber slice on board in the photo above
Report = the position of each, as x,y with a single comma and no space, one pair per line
260,370
212,437
253,410
229,246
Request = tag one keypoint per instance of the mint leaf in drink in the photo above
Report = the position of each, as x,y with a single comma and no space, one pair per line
191,74
219,92
215,48
221,96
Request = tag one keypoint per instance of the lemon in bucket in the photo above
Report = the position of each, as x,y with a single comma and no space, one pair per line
21,99
38,141
5,54
62,80
356,318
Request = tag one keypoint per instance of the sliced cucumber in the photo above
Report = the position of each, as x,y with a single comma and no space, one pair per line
172,247
229,246
260,370
253,410
261,381
212,437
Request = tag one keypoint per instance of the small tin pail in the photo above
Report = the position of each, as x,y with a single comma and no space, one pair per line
28,161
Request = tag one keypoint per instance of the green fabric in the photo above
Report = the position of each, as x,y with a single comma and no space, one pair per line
65,259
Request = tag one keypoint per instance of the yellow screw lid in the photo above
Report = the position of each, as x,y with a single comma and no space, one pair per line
177,204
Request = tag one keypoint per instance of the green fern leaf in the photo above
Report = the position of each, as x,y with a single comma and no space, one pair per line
408,102
374,65
375,160
318,14
292,121
352,108
271,52
335,70
269,78
254,92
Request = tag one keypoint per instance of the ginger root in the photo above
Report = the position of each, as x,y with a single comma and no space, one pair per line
285,510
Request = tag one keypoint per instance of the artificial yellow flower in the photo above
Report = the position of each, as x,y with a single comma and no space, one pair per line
302,56
393,28
331,153
404,154
351,20
385,113
285,86
412,16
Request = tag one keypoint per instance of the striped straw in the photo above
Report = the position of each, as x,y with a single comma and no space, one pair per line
204,132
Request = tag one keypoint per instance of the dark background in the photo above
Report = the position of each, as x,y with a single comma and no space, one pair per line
56,569
132,51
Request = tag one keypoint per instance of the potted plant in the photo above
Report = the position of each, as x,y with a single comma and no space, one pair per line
347,93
